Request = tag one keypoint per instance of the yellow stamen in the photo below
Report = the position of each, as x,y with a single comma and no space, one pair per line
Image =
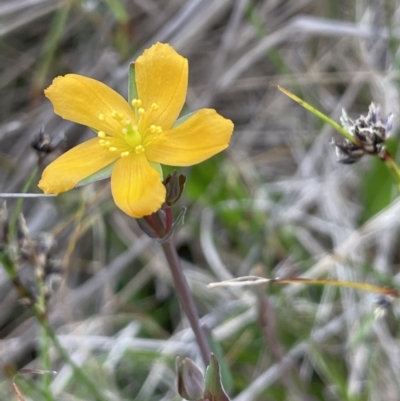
139,149
124,131
101,117
140,111
136,102
101,134
154,106
112,149
117,116
124,154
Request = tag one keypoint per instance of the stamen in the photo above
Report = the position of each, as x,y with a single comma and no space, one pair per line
136,102
139,149
127,122
112,149
124,154
101,134
117,116
124,131
101,117
154,106
102,142
140,111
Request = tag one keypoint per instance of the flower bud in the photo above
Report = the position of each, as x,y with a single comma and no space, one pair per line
174,184
190,379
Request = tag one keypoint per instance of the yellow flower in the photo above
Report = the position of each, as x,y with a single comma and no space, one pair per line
134,138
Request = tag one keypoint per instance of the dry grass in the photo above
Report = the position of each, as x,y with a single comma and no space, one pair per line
276,203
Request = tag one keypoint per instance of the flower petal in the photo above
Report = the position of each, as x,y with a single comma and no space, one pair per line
201,136
83,100
75,165
136,186
162,78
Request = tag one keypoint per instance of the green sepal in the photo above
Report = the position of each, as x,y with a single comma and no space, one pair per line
99,175
132,89
181,120
158,168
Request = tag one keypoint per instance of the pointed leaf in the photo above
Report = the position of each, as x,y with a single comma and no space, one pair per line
214,390
317,113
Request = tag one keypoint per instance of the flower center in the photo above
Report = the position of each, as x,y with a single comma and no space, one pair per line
137,135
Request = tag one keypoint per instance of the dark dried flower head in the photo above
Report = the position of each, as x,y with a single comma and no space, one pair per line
370,134
347,152
44,145
41,142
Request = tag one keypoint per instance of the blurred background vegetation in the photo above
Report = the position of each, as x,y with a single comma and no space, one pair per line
275,204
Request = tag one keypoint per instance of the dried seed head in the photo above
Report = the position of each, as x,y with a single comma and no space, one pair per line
41,142
370,133
347,152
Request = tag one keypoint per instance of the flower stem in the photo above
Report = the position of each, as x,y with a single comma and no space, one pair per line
186,298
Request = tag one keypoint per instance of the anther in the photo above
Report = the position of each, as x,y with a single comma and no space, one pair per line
101,117
154,106
124,131
136,102
116,115
124,154
139,149
112,149
101,134
141,111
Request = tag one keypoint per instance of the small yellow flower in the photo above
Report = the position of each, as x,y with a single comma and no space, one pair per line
136,138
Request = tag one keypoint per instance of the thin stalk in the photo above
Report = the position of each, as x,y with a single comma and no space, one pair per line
44,339
18,207
393,168
82,378
45,327
186,298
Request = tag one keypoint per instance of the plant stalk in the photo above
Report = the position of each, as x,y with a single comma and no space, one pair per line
186,298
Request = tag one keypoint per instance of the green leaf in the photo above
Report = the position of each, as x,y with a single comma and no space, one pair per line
100,175
225,371
132,89
118,9
214,390
318,114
